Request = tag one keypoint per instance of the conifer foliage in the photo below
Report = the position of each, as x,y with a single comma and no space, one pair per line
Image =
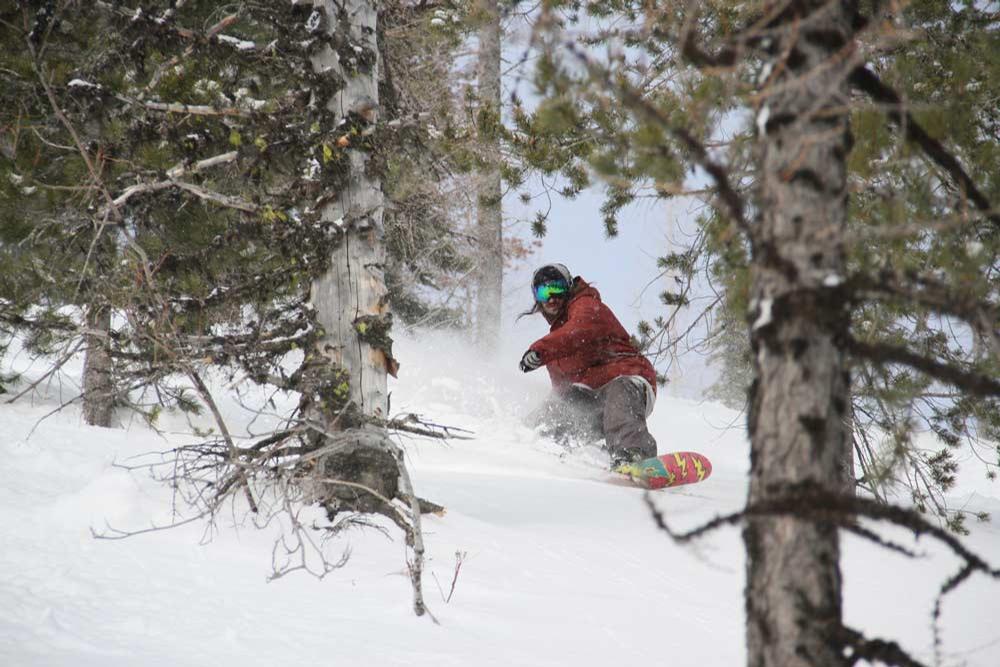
852,246
165,162
922,247
191,186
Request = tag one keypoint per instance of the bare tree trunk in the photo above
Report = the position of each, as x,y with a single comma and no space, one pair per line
343,380
98,383
799,401
350,297
489,220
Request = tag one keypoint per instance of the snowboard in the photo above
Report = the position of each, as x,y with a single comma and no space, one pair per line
667,470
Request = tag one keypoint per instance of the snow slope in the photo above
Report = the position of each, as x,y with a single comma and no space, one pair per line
560,568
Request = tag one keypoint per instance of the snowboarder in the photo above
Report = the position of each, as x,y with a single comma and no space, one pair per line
602,386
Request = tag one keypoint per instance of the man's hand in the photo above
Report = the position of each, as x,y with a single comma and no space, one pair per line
530,361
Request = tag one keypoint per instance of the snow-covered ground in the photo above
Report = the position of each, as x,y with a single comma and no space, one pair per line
559,567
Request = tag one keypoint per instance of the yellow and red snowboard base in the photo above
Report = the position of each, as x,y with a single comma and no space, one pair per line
666,470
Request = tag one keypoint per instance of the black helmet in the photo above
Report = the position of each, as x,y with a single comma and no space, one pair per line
551,272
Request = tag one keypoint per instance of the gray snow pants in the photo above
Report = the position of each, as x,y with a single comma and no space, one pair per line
617,412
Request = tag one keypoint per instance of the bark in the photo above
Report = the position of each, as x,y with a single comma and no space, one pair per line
353,288
343,379
798,425
98,383
489,215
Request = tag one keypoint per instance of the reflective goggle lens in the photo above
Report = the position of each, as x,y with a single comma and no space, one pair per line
546,291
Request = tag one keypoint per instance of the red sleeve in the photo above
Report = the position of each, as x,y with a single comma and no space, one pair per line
585,325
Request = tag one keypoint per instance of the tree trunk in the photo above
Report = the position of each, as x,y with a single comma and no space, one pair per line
848,476
352,291
489,220
98,384
344,376
799,401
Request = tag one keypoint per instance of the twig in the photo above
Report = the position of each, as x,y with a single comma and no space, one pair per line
417,567
201,165
59,364
459,559
117,534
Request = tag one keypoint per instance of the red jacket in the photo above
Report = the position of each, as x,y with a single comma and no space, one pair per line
588,344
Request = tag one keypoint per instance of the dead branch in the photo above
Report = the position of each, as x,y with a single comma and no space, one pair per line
55,367
416,533
809,503
227,201
411,423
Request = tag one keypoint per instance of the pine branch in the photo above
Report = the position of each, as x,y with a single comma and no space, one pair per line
924,290
867,81
632,98
881,353
872,650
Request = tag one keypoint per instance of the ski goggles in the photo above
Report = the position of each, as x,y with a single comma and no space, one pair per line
554,288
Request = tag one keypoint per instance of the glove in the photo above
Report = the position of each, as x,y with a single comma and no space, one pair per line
530,361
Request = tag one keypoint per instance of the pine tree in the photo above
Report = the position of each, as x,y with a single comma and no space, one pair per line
206,182
211,184
846,230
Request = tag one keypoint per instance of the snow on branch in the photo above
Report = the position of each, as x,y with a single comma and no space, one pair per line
80,85
732,200
194,109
